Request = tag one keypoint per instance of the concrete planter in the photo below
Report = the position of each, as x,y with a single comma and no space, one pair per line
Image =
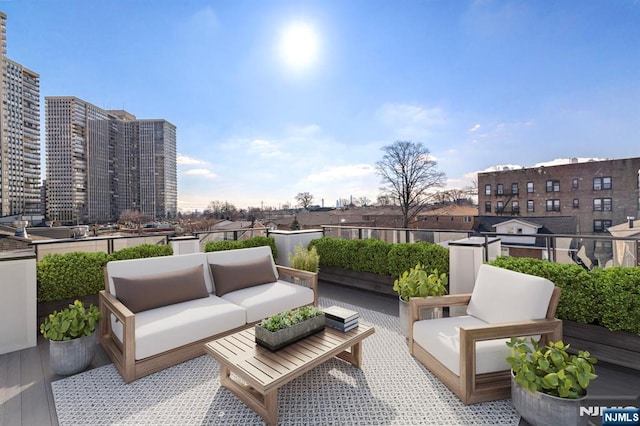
274,340
540,409
72,356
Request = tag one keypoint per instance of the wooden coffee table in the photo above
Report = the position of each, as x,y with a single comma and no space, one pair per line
264,372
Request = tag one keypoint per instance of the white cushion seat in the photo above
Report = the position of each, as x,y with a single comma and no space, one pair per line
168,327
262,301
442,339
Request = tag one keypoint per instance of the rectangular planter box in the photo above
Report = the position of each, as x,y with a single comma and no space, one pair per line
274,340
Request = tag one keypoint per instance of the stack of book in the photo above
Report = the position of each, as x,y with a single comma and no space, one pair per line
340,318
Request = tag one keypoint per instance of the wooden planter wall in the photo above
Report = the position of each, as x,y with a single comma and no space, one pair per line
615,347
362,280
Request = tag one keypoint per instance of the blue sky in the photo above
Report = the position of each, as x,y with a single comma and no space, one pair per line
480,83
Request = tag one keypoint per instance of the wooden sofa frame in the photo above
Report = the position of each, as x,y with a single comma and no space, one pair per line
470,387
122,354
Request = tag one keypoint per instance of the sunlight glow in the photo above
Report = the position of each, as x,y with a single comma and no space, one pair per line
299,45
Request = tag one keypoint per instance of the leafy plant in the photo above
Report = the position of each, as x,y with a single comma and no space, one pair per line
551,369
416,282
288,318
71,323
304,259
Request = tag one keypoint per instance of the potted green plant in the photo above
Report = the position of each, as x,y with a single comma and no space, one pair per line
304,259
287,327
417,282
72,337
547,383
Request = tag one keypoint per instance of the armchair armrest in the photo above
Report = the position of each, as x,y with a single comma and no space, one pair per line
114,306
303,278
548,328
417,303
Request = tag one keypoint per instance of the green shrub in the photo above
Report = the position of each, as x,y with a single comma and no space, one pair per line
380,257
249,242
619,301
143,250
70,275
404,256
304,259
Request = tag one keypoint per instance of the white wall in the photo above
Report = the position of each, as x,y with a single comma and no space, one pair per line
286,242
18,308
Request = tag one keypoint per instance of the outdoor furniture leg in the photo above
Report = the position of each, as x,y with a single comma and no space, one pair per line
265,405
353,356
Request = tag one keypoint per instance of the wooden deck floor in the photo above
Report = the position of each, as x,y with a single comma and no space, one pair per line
25,377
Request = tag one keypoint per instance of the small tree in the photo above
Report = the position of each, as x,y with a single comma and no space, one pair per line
304,199
408,172
295,225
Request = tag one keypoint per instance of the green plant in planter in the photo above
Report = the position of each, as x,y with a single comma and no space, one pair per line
71,323
550,369
416,282
303,259
288,318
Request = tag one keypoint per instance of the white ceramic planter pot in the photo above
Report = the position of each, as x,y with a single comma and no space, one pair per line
72,356
540,409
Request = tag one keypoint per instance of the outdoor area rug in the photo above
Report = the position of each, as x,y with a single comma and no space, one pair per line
392,388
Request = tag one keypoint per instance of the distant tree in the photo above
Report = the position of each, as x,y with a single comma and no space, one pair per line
304,199
223,210
472,188
133,218
408,174
295,225
286,206
363,201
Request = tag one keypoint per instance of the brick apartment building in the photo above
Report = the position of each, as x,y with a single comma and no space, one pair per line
600,194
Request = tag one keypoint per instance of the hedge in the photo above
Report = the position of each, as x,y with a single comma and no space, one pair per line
249,242
605,296
71,275
380,257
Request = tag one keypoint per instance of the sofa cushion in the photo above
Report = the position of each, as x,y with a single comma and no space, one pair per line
152,291
230,277
501,295
264,300
441,338
169,327
157,265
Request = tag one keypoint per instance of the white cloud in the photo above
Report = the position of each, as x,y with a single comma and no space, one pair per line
411,121
206,173
475,128
339,173
184,160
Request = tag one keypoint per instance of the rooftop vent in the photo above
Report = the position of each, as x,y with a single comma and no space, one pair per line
630,219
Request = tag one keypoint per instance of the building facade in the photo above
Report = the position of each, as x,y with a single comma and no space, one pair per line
19,135
101,163
599,194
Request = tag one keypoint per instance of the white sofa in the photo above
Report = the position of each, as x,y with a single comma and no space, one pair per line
468,353
160,311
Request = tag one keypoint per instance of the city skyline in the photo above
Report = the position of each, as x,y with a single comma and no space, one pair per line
275,98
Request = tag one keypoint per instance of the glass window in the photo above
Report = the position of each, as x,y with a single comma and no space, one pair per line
597,204
530,187
515,207
574,183
487,190
553,205
500,189
576,203
606,204
499,207
601,225
487,206
600,183
514,188
606,183
553,186
529,205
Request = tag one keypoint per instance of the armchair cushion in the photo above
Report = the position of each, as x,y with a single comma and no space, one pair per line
441,338
235,276
153,291
501,295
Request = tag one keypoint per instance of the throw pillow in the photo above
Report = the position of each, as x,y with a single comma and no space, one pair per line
235,276
153,291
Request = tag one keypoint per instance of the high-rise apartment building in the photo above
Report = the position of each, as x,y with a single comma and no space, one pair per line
19,135
101,163
599,194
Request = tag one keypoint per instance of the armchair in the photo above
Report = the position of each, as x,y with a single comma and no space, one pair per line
468,353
